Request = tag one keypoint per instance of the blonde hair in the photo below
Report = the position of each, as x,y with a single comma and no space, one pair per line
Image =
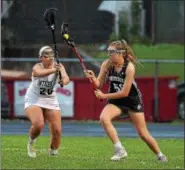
129,54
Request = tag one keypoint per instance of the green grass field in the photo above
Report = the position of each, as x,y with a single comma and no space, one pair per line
164,51
161,51
89,153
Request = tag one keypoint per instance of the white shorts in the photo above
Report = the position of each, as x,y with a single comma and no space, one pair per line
43,103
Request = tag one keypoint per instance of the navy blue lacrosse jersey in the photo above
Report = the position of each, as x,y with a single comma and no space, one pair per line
134,99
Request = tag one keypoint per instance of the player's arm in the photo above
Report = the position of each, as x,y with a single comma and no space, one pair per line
130,72
103,74
39,71
65,77
101,77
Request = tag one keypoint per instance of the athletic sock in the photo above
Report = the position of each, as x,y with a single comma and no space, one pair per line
118,146
31,141
159,154
54,151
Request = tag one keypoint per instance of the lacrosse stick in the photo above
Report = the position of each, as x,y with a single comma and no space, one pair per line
70,42
49,16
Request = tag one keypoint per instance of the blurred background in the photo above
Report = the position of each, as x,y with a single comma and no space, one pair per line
155,33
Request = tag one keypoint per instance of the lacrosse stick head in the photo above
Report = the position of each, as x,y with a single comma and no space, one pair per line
66,36
64,28
49,16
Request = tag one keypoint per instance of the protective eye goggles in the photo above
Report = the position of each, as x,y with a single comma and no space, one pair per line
48,54
111,52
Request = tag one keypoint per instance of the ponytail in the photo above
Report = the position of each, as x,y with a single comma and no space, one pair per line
129,54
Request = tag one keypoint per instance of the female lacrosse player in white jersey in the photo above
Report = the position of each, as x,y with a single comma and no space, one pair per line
41,102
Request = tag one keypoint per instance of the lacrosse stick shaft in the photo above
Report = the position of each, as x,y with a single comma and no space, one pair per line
55,47
56,54
84,67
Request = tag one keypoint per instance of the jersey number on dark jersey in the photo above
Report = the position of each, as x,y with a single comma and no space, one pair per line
44,91
117,86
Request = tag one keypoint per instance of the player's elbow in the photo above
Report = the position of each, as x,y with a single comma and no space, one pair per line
127,92
66,80
98,83
124,94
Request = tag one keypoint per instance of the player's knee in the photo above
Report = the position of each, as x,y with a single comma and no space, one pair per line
105,120
39,126
142,134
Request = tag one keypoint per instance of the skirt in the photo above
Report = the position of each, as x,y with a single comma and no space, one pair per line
46,103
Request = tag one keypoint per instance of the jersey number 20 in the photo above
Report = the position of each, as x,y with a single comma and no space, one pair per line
44,91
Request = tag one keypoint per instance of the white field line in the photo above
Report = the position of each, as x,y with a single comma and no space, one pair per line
21,149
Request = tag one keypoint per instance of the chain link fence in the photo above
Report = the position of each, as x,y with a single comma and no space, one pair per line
148,67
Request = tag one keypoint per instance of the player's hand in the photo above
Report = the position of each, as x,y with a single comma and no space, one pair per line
89,74
61,82
58,67
99,94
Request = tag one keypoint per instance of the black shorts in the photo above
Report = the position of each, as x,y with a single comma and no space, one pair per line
125,106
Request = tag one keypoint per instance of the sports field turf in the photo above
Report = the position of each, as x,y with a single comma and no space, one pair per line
88,153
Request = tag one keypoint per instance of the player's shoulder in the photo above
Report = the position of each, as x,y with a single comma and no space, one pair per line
37,65
106,63
130,67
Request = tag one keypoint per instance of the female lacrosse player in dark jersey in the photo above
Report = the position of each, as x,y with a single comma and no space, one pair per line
123,95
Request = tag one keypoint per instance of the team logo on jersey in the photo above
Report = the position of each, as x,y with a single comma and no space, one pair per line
48,84
115,78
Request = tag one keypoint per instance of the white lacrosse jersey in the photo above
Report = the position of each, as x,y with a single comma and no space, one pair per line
41,92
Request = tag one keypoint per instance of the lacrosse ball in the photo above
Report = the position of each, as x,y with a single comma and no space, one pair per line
66,36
